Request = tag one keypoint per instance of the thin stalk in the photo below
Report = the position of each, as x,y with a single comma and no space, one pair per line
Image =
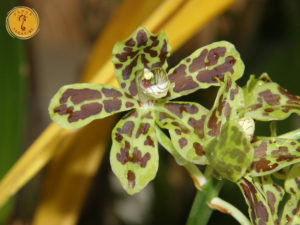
225,207
201,212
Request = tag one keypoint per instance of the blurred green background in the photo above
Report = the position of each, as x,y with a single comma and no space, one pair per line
265,32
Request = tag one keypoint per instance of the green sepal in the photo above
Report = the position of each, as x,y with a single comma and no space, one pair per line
258,208
272,154
76,105
229,102
141,50
204,67
291,210
266,100
184,121
134,151
230,154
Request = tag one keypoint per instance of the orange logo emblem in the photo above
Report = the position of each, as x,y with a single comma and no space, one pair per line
22,22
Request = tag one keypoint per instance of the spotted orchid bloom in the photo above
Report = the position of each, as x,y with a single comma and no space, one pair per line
146,89
256,164
229,143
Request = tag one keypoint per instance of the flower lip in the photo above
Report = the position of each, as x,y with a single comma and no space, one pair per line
152,84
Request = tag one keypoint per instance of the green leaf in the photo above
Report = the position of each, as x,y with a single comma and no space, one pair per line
204,68
230,154
142,50
228,103
134,152
291,211
76,105
272,154
259,211
185,121
266,100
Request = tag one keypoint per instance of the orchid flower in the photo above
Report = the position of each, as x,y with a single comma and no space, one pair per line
147,88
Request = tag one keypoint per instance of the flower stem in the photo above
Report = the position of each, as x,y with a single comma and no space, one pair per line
201,212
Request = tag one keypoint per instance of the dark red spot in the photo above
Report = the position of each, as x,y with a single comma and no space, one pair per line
214,55
130,43
127,53
144,61
162,55
131,178
111,92
112,105
128,69
181,80
132,88
271,201
141,38
233,92
260,151
271,99
198,62
287,158
183,129
213,124
182,142
178,109
209,76
127,128
118,66
149,141
177,131
133,113
79,95
143,129
129,104
119,137
136,158
162,116
151,52
198,126
123,85
297,209
268,110
263,165
198,148
147,116
86,111
227,110
293,99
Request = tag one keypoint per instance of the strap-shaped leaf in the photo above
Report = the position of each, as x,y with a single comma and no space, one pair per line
230,154
273,194
204,68
259,211
266,100
134,153
228,102
76,105
141,50
272,154
291,211
185,121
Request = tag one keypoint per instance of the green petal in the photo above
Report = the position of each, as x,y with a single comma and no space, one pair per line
228,103
266,100
134,153
76,105
185,121
204,67
272,154
141,50
273,194
291,211
230,154
259,210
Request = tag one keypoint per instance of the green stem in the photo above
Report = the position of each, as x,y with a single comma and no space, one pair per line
197,176
201,212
